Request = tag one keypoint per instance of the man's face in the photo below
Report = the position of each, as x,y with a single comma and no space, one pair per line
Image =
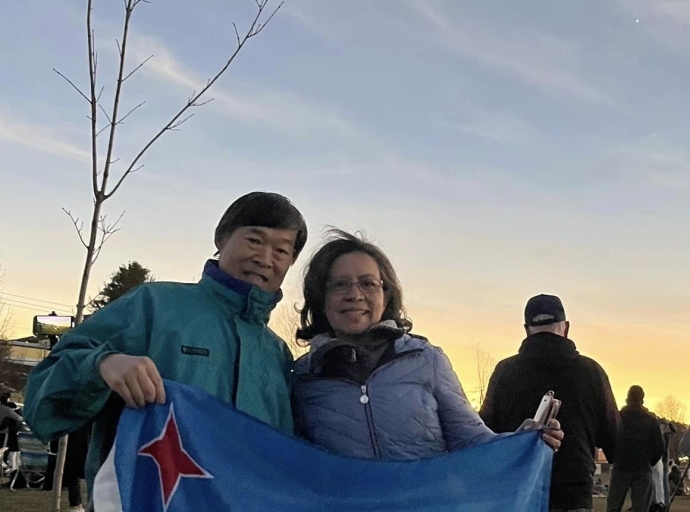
259,256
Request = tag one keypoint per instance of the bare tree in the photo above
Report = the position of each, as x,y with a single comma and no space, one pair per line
5,326
104,184
5,310
672,409
485,367
285,322
100,229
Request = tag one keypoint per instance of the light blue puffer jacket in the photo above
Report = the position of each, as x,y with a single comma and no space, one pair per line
411,407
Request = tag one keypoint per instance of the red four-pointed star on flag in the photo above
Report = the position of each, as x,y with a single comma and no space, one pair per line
171,458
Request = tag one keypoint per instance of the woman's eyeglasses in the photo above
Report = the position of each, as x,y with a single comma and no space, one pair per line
367,285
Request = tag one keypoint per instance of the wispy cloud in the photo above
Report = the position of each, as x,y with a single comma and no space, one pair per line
654,161
279,110
39,138
537,59
496,126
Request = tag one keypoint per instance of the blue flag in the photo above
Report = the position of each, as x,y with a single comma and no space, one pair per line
198,453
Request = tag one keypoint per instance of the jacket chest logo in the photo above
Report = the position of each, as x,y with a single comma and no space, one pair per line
195,351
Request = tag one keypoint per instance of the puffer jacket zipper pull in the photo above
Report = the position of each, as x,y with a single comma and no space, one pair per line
364,399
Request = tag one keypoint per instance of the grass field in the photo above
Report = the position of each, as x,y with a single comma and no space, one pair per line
30,501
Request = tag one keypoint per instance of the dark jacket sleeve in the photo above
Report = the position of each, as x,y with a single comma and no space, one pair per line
656,442
608,418
490,409
8,414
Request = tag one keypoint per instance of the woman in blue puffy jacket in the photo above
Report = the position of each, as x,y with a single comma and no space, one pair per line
367,387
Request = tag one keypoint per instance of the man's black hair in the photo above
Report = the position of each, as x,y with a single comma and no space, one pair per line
262,209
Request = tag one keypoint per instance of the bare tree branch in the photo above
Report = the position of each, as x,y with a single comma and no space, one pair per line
175,123
285,323
263,26
237,34
106,230
672,409
101,131
485,366
175,127
138,67
116,100
94,99
197,104
72,84
110,121
130,112
78,225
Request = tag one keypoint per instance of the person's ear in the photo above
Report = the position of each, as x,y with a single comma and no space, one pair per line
526,330
567,329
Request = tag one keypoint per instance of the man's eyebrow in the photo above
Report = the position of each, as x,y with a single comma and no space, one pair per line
256,231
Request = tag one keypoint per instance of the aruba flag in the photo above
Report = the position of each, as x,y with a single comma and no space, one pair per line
198,453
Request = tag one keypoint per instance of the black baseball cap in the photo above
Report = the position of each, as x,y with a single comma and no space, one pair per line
544,310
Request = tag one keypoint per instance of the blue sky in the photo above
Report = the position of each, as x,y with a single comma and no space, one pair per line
495,149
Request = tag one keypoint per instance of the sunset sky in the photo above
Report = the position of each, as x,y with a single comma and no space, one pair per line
495,150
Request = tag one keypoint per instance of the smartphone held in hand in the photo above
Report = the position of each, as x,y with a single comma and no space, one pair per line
548,408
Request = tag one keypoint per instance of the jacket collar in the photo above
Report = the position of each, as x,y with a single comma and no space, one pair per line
548,348
322,343
636,408
252,302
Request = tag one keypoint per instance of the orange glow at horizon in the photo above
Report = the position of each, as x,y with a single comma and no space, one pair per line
629,353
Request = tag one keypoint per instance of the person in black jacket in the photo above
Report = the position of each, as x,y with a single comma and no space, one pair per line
640,447
548,361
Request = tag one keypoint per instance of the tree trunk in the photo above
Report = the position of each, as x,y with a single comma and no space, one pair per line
59,468
90,250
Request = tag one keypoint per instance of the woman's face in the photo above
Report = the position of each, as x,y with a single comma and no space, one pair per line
355,299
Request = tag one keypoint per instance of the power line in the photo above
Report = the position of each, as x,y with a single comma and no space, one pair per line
28,305
35,300
17,306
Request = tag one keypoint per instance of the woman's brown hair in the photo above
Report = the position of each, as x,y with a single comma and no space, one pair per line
312,316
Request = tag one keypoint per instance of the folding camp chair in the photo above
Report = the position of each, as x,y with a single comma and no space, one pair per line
33,460
4,436
2,465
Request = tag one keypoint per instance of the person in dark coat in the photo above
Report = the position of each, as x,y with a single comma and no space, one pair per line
549,361
640,447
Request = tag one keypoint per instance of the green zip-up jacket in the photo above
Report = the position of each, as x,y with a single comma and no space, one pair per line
211,335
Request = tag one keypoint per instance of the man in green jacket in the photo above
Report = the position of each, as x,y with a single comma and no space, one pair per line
211,335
